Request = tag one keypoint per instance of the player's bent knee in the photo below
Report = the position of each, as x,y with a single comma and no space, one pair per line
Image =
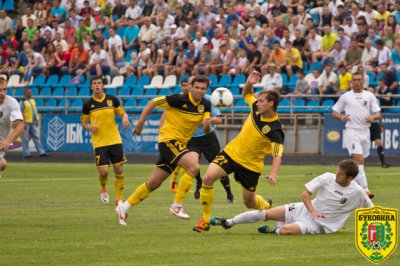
251,204
3,164
103,171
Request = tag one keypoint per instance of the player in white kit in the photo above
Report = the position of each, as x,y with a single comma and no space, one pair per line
337,198
10,117
358,108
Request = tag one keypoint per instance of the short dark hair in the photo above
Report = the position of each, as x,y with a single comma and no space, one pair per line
97,77
273,96
186,80
201,79
350,167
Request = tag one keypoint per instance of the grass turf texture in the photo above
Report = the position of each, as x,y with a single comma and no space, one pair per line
52,214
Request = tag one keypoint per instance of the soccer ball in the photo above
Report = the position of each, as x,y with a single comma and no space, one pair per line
221,98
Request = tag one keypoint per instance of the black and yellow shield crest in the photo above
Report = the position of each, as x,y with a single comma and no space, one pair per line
376,232
109,103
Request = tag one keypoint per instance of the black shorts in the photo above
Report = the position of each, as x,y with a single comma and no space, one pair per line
170,153
207,145
375,131
247,178
113,154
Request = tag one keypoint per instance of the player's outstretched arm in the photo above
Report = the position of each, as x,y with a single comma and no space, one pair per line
18,128
146,112
276,164
253,78
125,120
306,197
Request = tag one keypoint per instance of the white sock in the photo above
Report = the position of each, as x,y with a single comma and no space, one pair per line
175,205
247,217
126,206
277,230
361,178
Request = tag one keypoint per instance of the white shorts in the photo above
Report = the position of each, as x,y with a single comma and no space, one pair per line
358,141
2,153
297,213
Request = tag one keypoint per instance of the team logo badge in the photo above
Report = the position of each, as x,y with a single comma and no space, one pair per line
376,232
265,129
200,108
109,103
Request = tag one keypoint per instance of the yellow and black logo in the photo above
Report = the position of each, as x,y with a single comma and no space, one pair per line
200,108
109,103
376,232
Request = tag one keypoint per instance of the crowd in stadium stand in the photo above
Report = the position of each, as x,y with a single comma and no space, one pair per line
321,43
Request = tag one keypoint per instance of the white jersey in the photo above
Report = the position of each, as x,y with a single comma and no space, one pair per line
9,113
335,202
359,106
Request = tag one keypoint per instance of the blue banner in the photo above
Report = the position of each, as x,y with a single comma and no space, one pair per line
334,131
64,133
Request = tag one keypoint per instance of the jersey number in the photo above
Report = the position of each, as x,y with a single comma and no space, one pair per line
221,160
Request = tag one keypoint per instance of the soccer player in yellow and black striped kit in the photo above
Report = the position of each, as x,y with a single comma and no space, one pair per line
100,110
260,135
184,112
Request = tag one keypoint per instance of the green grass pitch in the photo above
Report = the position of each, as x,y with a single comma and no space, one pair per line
50,214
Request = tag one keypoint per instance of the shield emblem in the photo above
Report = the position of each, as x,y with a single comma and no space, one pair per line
200,108
376,232
109,103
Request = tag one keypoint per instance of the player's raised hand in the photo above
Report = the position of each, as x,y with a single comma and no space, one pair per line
254,77
271,179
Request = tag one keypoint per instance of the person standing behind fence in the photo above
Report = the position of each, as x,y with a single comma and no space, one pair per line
31,118
358,108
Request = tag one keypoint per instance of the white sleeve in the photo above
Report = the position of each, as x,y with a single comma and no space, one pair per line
317,182
365,202
15,111
374,105
339,105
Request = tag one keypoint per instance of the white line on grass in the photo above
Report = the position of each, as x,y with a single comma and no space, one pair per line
140,177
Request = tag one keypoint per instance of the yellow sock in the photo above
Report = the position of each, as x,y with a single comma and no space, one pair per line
141,193
119,186
183,187
175,174
262,204
206,200
103,182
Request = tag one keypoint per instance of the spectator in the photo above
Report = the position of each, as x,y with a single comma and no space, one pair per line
19,29
206,16
86,9
293,60
303,16
350,29
199,41
286,38
158,7
154,61
36,64
140,61
327,43
315,46
31,119
50,59
99,38
295,25
74,18
344,39
62,59
30,29
372,36
235,28
191,58
233,45
28,15
148,8
131,34
5,24
114,41
253,29
302,86
369,56
148,31
83,28
57,29
58,12
335,57
261,19
11,63
353,55
23,58
327,82
390,78
118,13
216,40
39,44
389,38
383,54
206,60
163,31
313,81
384,94
99,63
395,60
344,79
225,61
278,57
69,31
240,63
40,11
254,58
133,11
78,60
273,79
60,41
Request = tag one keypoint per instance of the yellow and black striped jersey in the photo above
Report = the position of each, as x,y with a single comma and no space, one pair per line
259,136
101,113
182,116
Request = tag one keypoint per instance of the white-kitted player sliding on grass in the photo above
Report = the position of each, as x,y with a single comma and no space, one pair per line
337,198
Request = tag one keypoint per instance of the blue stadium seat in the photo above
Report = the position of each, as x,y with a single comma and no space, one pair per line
64,81
58,92
182,78
284,79
298,106
141,104
143,81
76,105
241,106
1,7
71,92
396,109
35,91
209,91
86,84
327,106
63,105
130,81
372,81
235,91
8,5
151,92
124,91
315,65
39,104
51,105
19,92
164,92
52,81
284,106
315,17
128,54
137,92
224,81
312,106
45,91
213,79
292,81
238,80
106,35
130,105
9,91
111,91
38,81
176,90
84,92
305,66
